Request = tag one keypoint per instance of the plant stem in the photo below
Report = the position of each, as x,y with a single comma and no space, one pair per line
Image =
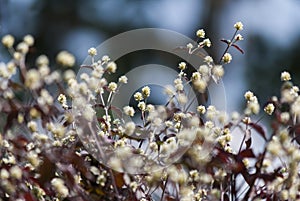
228,46
164,189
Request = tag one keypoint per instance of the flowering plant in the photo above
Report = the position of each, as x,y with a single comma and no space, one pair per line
92,150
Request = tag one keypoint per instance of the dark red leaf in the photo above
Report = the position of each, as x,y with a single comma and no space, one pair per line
20,142
295,131
258,129
247,153
225,41
119,179
248,143
225,197
15,85
46,171
229,125
249,178
9,120
29,197
169,136
238,48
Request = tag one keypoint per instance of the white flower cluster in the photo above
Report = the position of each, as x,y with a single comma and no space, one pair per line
189,152
253,106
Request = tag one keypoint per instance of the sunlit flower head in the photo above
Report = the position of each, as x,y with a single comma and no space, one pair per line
238,26
208,59
146,91
111,67
42,60
227,58
248,95
129,111
105,59
123,79
269,109
8,41
92,51
29,40
22,47
65,59
142,106
238,37
138,96
112,86
33,79
200,33
201,109
206,42
182,65
285,76
189,45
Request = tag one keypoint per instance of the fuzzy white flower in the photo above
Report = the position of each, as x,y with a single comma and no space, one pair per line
200,85
204,69
182,99
218,71
146,91
284,117
142,106
8,40
238,37
247,120
285,76
196,76
150,108
112,86
138,96
42,60
201,109
248,95
105,59
295,107
33,159
129,111
92,51
65,59
189,45
29,40
238,26
17,56
62,99
123,79
4,174
182,65
200,33
269,109
227,58
208,59
129,128
22,48
115,163
111,67
32,126
15,172
274,146
69,74
59,186
206,43
252,108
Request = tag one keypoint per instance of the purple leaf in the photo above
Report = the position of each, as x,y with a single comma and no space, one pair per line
238,48
258,129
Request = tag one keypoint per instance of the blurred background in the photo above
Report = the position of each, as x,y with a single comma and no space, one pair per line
271,33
